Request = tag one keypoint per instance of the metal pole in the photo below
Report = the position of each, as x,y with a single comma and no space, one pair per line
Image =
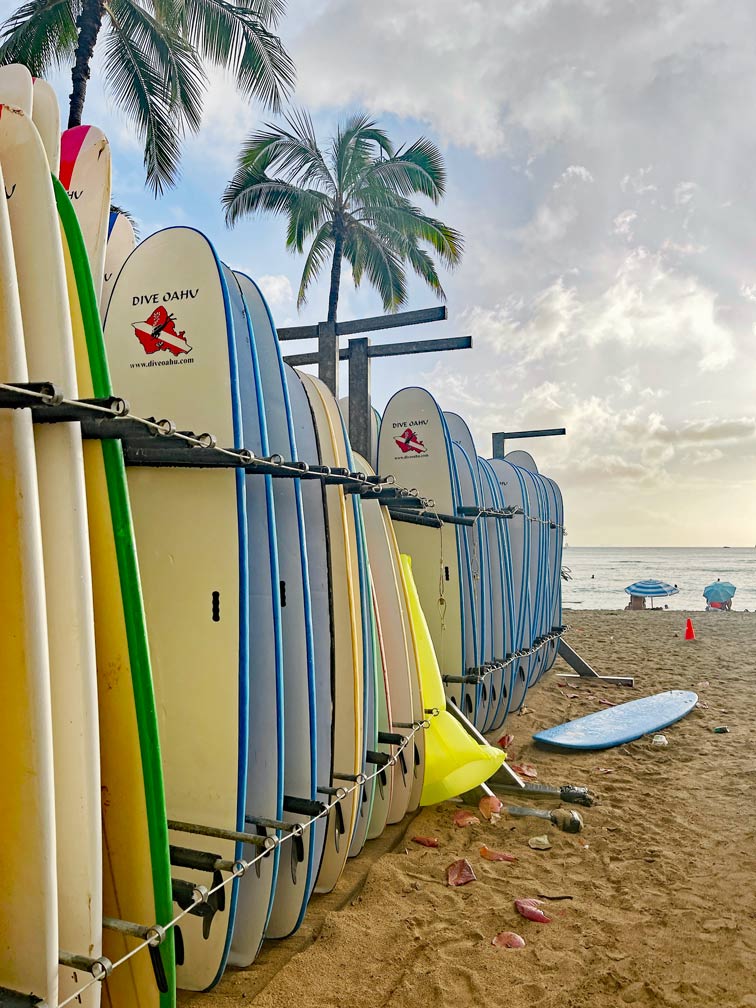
360,413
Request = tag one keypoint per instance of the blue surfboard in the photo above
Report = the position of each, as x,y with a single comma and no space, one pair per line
300,745
624,723
266,753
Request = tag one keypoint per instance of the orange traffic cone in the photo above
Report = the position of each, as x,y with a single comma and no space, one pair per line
690,633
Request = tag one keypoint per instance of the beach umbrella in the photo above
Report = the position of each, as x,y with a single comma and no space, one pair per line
651,588
719,591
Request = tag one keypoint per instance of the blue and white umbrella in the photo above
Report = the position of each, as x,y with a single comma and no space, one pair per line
650,588
719,591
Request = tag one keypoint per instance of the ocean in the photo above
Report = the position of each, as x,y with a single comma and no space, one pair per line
601,573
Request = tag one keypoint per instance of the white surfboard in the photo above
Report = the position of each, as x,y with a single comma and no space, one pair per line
16,85
393,641
414,447
28,909
347,645
170,346
120,244
495,555
48,340
85,174
46,117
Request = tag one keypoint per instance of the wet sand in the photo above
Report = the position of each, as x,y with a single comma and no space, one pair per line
662,907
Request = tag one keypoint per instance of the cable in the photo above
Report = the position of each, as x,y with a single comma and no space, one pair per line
242,866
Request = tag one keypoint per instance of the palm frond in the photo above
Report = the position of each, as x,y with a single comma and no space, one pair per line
404,219
249,192
321,247
115,208
354,146
173,59
308,210
418,169
41,35
368,254
238,38
138,77
292,153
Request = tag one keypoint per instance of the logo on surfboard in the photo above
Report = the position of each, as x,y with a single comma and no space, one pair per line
158,332
410,443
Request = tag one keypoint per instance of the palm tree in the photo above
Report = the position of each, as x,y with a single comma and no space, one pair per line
154,54
351,199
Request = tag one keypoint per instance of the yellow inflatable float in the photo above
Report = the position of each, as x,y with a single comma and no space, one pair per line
454,761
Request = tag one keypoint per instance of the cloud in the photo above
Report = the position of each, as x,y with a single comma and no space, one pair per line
277,290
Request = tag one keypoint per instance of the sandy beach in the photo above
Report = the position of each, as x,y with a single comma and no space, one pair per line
661,908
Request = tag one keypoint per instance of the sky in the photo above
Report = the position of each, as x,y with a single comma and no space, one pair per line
600,158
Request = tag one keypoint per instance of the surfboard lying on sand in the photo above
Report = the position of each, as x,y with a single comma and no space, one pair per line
624,723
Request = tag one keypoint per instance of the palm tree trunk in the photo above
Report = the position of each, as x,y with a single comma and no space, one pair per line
333,296
89,23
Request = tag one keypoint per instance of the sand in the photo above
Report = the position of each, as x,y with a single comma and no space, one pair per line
663,902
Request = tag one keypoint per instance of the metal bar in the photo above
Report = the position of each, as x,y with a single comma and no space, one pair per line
99,967
472,730
421,346
267,843
498,439
360,414
390,349
372,324
583,669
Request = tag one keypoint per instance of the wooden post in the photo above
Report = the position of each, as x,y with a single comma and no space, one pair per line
328,356
360,412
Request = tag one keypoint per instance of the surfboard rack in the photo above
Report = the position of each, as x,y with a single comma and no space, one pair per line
303,806
391,738
334,792
99,967
199,901
431,519
268,843
273,824
188,857
12,999
582,669
469,680
379,759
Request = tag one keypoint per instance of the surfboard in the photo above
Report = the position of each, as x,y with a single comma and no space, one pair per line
170,347
393,645
48,342
16,86
514,494
265,761
414,753
369,660
626,722
415,448
313,503
136,876
477,537
28,909
120,244
474,702
347,682
384,781
495,565
85,175
300,762
46,117
537,585
505,623
556,619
